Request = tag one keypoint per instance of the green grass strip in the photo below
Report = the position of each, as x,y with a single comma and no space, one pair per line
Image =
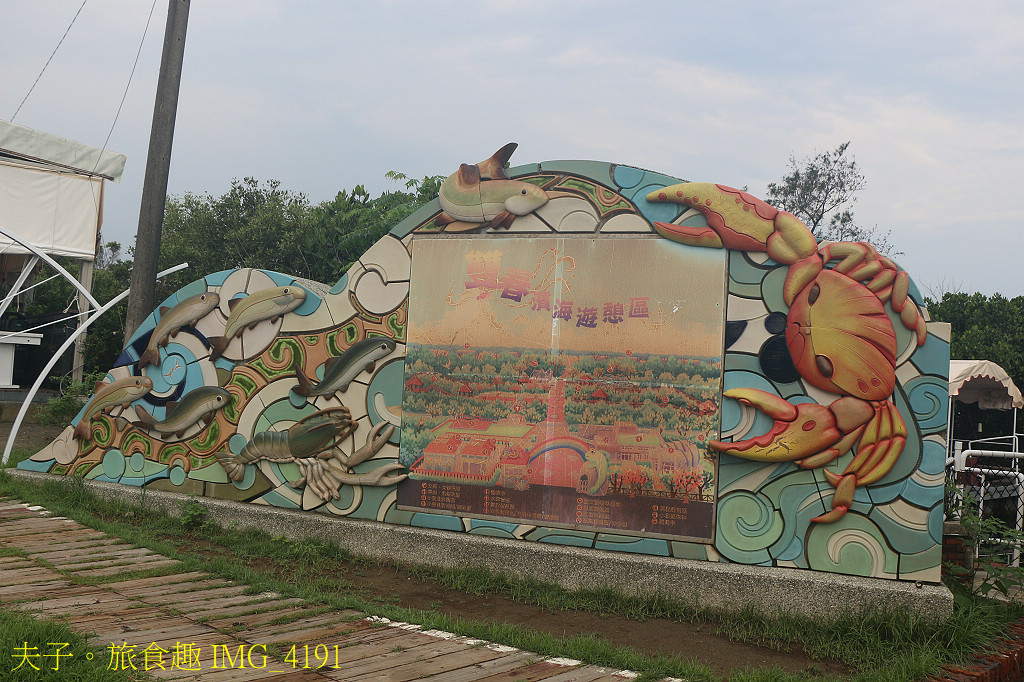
880,646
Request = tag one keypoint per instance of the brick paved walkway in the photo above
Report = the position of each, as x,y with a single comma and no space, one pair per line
219,631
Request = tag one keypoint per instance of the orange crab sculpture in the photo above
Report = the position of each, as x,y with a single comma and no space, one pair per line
838,333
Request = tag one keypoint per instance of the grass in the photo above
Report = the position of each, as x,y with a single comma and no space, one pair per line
19,455
47,649
880,646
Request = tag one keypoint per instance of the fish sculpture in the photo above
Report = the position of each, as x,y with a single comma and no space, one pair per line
483,193
197,405
121,392
185,314
265,304
340,371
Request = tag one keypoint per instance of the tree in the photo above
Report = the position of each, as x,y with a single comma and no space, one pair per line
984,328
261,225
820,191
344,228
252,225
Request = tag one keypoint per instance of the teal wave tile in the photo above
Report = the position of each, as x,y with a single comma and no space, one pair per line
628,543
340,285
902,539
276,499
688,550
627,177
398,516
29,465
217,279
932,358
405,228
493,532
436,521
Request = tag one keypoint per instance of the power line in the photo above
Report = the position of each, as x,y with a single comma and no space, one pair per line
48,60
130,76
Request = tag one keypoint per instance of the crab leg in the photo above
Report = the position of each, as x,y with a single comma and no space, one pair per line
379,476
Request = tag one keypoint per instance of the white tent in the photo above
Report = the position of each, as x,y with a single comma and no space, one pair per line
51,192
51,204
983,382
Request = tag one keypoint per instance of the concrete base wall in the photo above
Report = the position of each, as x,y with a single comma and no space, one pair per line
715,586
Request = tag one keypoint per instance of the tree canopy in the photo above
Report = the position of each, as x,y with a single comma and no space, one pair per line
261,225
984,328
820,190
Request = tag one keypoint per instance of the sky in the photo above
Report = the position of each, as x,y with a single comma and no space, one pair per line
323,96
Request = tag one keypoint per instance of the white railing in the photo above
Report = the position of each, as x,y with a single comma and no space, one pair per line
987,485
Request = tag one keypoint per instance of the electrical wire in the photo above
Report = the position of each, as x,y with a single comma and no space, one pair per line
124,96
128,85
48,60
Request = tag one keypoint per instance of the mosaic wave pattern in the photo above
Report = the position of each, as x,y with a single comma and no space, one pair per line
265,442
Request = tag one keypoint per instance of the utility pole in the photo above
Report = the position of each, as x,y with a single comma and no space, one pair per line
158,163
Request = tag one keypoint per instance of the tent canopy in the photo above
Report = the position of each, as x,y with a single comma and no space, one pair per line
19,142
983,382
51,192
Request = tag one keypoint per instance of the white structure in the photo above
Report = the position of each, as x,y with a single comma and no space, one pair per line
989,470
51,204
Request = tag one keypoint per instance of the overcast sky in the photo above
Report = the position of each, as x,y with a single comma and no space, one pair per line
326,95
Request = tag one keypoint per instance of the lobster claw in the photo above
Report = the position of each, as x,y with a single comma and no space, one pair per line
319,430
736,220
807,433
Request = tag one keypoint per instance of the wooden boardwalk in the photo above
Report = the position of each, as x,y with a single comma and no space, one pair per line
190,625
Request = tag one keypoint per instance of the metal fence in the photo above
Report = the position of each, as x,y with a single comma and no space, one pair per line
988,479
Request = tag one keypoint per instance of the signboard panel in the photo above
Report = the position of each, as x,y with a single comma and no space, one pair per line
564,382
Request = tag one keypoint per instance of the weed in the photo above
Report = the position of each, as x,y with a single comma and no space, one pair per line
193,516
73,396
995,537
879,645
52,651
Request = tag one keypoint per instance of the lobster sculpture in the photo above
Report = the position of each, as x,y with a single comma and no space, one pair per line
310,444
838,333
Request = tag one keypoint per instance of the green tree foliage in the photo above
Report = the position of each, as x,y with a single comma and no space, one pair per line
103,342
57,298
345,227
984,328
261,225
820,190
252,225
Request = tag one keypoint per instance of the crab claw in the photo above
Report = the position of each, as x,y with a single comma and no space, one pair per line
807,433
736,220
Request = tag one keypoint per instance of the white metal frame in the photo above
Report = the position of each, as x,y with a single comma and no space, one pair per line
92,316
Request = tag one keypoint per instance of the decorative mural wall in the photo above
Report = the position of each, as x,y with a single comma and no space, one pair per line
572,352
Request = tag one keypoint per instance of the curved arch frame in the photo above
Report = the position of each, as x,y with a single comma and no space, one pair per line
97,311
